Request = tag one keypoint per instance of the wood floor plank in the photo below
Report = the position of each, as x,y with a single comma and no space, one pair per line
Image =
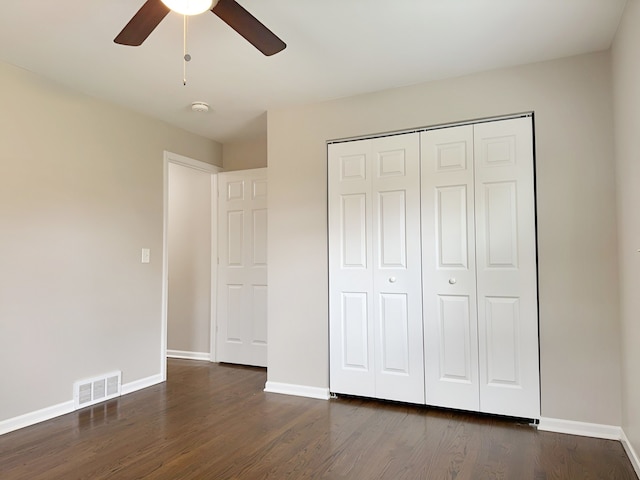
211,421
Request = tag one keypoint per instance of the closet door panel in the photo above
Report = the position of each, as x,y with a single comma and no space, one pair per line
392,230
353,224
500,218
394,328
451,222
503,341
506,268
350,269
396,270
448,260
354,328
455,338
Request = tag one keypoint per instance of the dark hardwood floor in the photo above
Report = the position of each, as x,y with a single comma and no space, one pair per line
214,422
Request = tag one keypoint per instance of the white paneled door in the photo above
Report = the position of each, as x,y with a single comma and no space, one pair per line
432,268
449,273
351,269
479,268
506,268
374,255
242,269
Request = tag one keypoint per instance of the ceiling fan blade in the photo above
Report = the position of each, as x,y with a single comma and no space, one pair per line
248,26
142,23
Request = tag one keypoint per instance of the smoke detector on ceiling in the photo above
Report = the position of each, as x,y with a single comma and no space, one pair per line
200,107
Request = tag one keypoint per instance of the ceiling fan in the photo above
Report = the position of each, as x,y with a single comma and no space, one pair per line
229,11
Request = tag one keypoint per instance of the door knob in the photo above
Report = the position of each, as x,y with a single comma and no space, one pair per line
392,279
452,281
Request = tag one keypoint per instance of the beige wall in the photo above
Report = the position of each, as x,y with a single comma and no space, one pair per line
626,76
579,328
189,246
244,155
81,192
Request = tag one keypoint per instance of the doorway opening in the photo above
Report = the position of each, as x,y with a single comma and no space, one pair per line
189,264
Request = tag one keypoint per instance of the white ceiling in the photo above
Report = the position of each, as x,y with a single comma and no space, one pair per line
335,48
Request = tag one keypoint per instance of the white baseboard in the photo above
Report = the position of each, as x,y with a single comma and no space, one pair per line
596,430
631,453
54,411
38,416
140,384
189,355
298,390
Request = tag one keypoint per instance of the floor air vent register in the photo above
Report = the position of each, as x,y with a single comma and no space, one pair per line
95,390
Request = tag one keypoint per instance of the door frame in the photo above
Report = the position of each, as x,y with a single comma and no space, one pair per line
170,157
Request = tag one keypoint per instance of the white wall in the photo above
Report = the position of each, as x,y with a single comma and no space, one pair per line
626,76
189,247
579,327
246,154
81,192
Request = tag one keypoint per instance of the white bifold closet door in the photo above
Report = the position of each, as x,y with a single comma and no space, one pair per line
242,268
479,268
449,273
376,346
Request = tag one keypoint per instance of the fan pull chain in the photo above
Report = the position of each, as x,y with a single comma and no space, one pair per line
186,56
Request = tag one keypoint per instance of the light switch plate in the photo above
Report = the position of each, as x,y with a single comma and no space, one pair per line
145,255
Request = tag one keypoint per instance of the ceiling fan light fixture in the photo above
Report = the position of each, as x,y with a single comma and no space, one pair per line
189,7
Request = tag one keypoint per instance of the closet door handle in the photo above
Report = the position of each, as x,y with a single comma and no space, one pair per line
452,281
392,279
